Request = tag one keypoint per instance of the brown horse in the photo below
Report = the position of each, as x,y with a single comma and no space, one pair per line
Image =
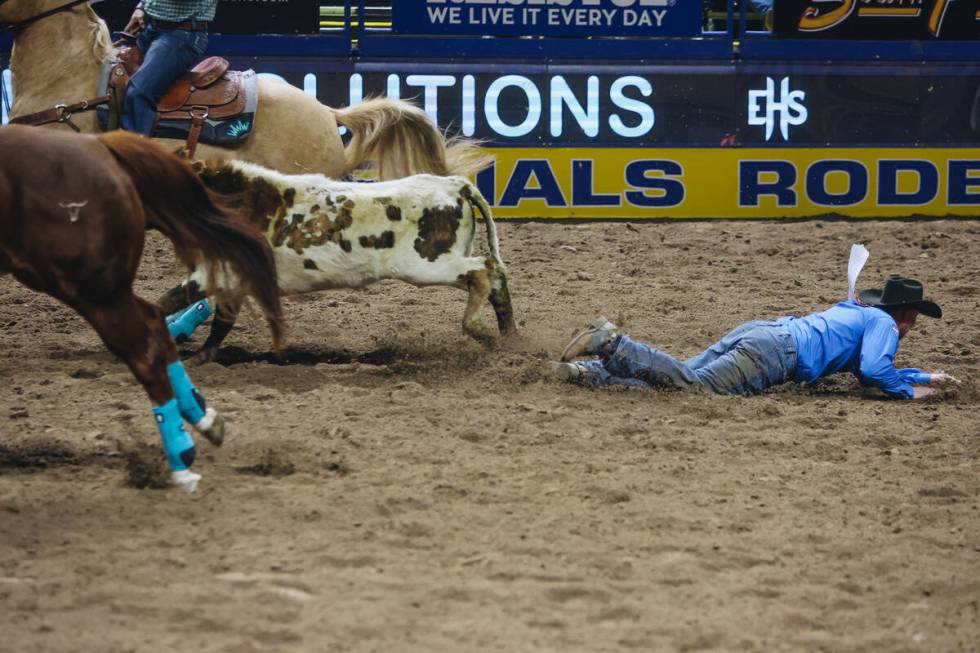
74,210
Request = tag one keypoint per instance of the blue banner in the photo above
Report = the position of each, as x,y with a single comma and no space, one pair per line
548,17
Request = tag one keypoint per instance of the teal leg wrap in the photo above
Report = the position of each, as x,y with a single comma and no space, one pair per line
181,325
177,444
189,400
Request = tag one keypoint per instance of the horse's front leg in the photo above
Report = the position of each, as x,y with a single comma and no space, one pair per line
135,331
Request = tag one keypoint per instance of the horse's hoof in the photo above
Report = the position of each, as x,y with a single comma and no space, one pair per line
186,480
215,433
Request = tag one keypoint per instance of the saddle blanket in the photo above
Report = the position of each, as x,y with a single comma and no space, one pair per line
226,131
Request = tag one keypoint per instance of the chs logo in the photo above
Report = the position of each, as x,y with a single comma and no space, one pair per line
789,106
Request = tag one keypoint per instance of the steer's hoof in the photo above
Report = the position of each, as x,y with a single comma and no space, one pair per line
206,355
482,335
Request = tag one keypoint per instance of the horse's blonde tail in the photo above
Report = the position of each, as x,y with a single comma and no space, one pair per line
401,141
466,157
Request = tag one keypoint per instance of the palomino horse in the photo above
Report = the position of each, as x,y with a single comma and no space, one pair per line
73,214
58,59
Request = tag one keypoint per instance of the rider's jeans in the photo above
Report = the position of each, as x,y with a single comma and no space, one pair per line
750,359
167,54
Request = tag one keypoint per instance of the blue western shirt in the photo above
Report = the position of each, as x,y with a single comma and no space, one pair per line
854,338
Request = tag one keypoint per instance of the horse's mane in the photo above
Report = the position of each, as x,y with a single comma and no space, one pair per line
101,39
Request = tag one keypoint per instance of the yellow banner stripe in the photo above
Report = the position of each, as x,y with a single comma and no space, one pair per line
707,182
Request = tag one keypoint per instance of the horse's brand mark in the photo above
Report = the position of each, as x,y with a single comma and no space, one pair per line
74,208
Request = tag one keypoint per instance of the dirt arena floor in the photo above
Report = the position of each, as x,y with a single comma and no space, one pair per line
396,487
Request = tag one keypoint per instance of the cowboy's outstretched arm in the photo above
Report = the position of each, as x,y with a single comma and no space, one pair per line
878,349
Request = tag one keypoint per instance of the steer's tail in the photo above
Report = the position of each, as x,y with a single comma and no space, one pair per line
480,202
499,292
198,223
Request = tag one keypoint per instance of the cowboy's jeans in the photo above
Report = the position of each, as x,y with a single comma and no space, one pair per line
167,54
751,358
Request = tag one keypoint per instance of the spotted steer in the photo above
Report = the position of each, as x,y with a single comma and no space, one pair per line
332,234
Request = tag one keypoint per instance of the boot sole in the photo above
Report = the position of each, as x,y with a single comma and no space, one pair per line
576,347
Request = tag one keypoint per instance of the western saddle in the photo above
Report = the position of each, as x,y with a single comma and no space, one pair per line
209,90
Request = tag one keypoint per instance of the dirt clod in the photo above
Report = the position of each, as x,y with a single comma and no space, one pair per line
270,463
146,467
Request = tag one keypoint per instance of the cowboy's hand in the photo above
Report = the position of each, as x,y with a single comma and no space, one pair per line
921,392
136,22
941,378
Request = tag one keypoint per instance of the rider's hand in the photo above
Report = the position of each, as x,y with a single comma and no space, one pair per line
921,392
941,378
136,22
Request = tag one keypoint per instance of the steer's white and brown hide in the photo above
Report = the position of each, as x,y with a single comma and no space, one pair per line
332,234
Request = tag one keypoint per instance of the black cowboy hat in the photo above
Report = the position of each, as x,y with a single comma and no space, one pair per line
898,292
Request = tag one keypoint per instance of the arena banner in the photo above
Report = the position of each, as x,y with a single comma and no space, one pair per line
632,106
583,18
603,105
690,141
236,16
568,105
912,105
732,182
877,19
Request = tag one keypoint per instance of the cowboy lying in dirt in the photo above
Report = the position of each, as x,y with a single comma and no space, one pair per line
858,336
